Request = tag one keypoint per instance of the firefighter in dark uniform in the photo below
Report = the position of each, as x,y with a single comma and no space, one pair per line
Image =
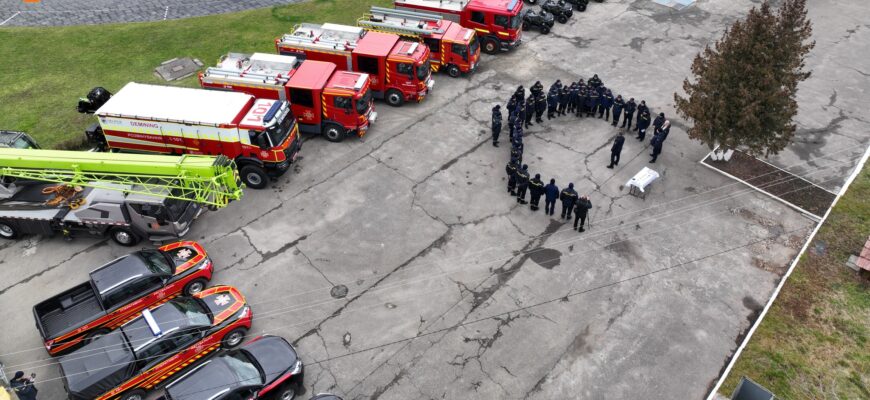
593,104
556,86
511,170
573,97
520,114
580,210
659,121
551,191
606,103
530,110
552,102
640,109
536,189
642,124
537,88
595,81
628,114
618,106
563,100
568,197
540,107
496,124
522,184
616,150
587,102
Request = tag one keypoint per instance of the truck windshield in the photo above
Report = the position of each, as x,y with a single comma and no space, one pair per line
364,102
279,132
175,208
423,70
473,45
156,262
516,20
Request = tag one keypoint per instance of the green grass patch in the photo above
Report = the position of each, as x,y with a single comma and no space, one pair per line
814,341
45,70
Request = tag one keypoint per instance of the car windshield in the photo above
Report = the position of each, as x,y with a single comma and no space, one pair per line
279,132
473,44
175,208
423,70
364,102
156,262
244,369
516,20
193,310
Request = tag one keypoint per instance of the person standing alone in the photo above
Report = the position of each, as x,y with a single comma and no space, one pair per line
496,124
616,150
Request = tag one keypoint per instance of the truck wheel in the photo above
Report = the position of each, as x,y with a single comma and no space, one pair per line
490,46
395,98
136,394
7,231
95,335
334,132
453,71
234,338
195,286
581,7
545,30
286,392
254,176
525,26
562,19
124,236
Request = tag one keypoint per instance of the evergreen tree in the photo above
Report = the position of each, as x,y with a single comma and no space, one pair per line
743,94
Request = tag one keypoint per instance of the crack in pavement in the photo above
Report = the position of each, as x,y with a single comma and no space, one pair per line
96,245
314,266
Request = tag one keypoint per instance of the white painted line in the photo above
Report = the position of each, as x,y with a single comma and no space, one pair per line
858,169
166,13
10,18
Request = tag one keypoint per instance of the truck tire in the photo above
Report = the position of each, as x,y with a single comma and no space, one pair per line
124,236
394,98
195,286
7,230
286,392
525,26
135,394
334,132
234,338
562,19
254,176
581,7
490,46
545,30
453,71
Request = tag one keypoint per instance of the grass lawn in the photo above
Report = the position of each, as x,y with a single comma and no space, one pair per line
814,342
44,71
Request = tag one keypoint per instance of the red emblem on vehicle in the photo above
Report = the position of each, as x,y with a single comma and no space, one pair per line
308,114
264,154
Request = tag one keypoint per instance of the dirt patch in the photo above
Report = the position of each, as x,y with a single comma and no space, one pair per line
547,258
776,182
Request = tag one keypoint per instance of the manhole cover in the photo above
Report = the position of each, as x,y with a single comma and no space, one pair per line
178,68
338,291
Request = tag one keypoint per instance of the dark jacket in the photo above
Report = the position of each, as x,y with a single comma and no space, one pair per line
664,133
568,196
659,121
553,98
511,170
617,144
530,105
540,103
582,206
552,192
24,389
522,177
643,120
657,140
536,187
496,118
607,100
563,96
618,105
630,107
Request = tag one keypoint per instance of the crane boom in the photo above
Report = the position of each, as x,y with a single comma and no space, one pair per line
205,180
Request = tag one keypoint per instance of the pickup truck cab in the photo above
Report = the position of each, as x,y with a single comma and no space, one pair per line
119,291
158,344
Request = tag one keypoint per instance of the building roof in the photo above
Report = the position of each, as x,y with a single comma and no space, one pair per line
311,75
376,44
168,103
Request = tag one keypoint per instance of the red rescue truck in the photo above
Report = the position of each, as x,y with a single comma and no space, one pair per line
498,22
400,71
325,101
260,135
454,49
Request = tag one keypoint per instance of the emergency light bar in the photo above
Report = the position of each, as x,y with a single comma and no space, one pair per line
152,323
272,111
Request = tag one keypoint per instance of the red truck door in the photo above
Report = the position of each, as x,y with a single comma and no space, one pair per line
374,66
306,105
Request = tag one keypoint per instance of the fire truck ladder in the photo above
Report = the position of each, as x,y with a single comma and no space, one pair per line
212,181
401,22
242,74
326,36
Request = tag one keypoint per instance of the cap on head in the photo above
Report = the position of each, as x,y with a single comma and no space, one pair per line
662,115
537,176
525,166
18,374
571,185
552,181
631,99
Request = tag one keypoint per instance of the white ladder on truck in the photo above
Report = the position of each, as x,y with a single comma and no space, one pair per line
402,22
326,36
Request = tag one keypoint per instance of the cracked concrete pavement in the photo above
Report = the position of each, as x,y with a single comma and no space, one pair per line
454,290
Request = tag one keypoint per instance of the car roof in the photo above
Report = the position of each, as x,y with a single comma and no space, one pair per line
120,271
207,381
170,317
274,355
89,370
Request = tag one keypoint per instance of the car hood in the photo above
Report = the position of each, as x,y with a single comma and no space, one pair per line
274,355
98,367
206,381
223,302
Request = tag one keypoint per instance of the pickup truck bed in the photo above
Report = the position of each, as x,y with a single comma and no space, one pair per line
68,310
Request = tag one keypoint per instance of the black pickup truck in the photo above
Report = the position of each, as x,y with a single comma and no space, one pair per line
120,290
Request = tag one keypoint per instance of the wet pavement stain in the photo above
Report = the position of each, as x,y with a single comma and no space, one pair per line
547,258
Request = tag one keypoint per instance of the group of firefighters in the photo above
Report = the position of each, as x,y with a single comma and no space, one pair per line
581,98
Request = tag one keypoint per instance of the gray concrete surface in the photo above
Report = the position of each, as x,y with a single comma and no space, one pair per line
89,12
457,292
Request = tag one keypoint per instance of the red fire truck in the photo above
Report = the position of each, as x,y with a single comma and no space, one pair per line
261,135
498,22
454,49
400,71
334,103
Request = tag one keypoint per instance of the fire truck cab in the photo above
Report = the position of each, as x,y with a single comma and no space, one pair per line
324,100
454,49
497,22
400,71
